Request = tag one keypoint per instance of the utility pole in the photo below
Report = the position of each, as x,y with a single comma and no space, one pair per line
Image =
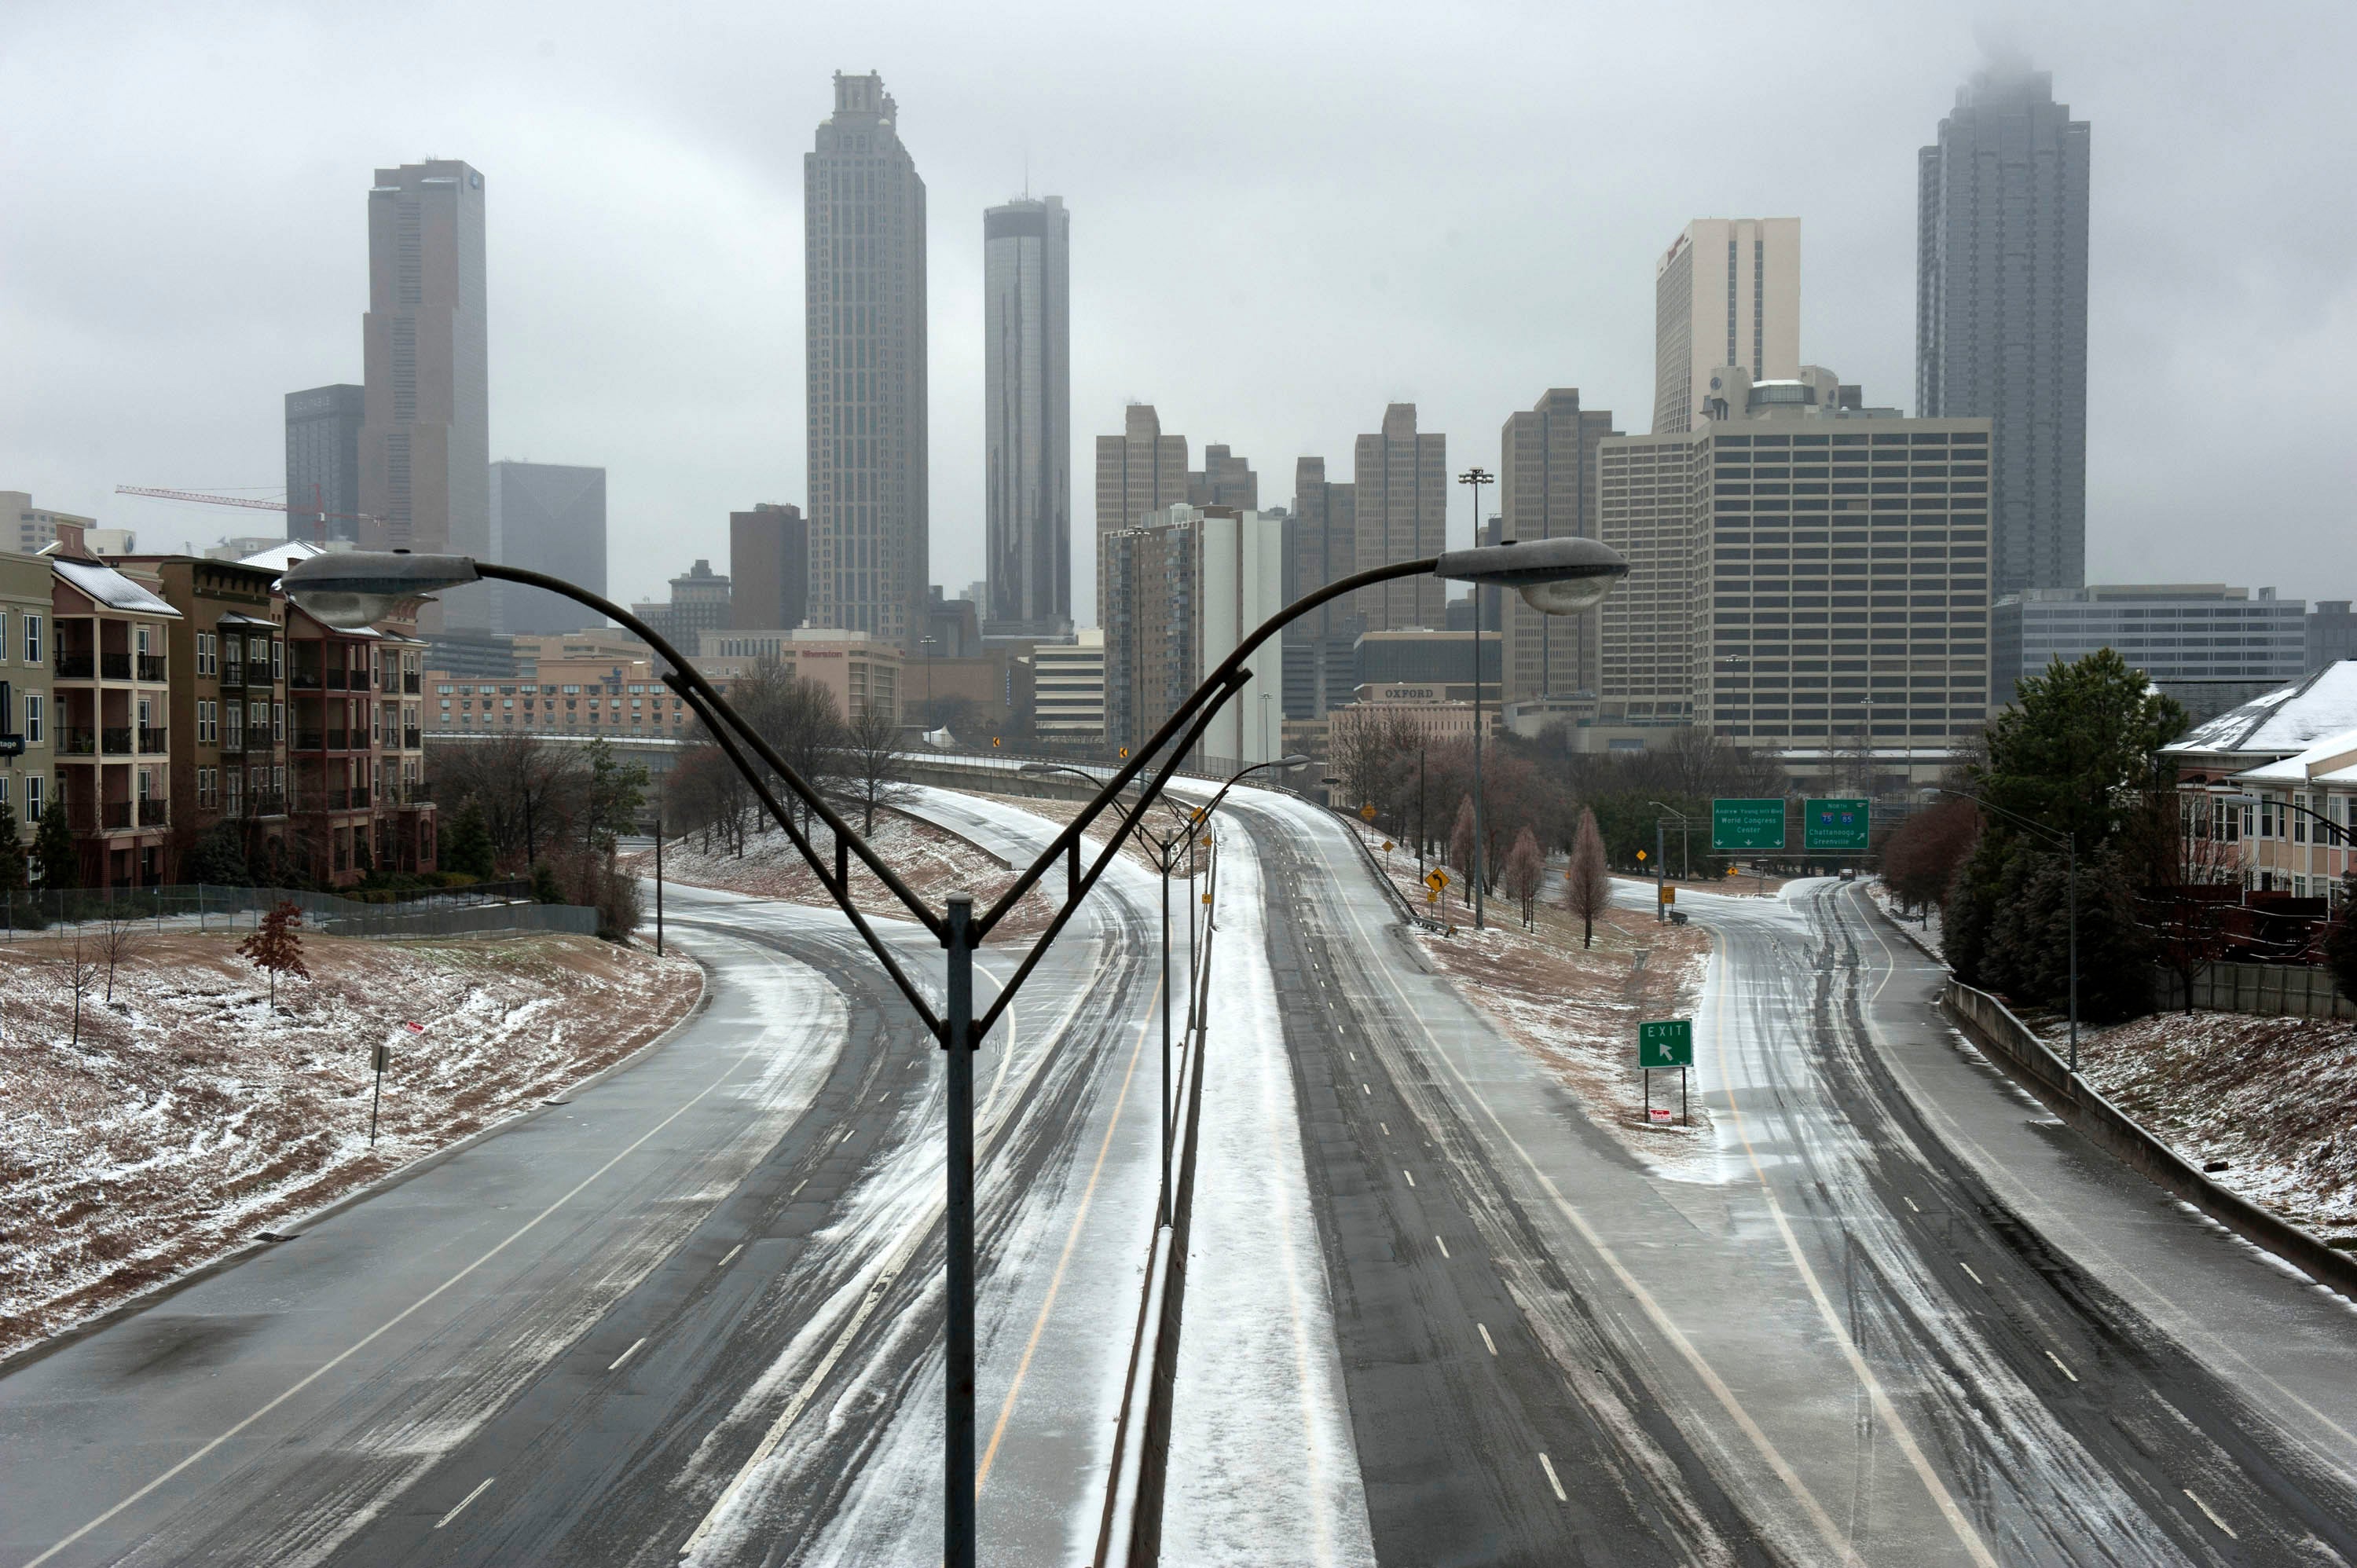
1477,477
659,934
1661,870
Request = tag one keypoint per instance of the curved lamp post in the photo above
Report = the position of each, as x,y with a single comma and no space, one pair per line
357,588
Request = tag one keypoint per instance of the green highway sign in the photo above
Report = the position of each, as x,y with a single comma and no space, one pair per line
1666,1044
1747,824
1835,824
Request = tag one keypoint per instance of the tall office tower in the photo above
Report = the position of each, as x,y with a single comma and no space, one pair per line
2001,311
1323,545
547,517
1728,293
323,462
699,602
863,301
1026,392
1546,489
1146,602
1139,470
426,434
769,567
1402,510
1225,479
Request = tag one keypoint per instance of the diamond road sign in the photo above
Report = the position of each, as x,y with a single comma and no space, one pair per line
1666,1044
1747,824
1835,824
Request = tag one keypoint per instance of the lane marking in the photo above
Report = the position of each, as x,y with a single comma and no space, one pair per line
2061,1368
394,1321
1909,1202
1968,1269
1365,1091
1492,1344
1072,1240
1409,1174
1548,1465
454,1513
798,1189
1901,1431
1442,1245
1386,1127
614,1367
2206,1508
730,1253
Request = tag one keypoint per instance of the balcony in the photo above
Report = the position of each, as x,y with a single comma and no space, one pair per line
76,740
302,680
409,682
411,739
232,741
115,814
154,813
420,793
74,666
310,739
265,803
336,740
151,667
335,681
154,739
116,739
114,666
233,674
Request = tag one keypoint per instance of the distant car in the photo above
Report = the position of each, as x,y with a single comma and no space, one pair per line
1849,873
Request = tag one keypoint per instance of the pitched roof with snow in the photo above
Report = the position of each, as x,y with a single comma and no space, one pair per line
2287,720
2332,759
279,557
106,586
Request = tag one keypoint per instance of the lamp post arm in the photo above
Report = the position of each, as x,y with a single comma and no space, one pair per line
684,677
838,887
1216,688
2053,835
1096,869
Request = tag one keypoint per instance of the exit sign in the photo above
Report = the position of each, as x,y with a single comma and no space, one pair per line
1668,1043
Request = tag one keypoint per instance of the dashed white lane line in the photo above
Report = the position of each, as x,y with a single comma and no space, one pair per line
616,1365
1909,1202
730,1253
798,1189
1968,1269
2212,1513
470,1497
1365,1089
1442,1245
1409,1174
2061,1368
1386,1127
1553,1480
1492,1344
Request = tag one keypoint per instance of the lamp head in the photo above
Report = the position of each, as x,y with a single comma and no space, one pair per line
352,588
1554,577
1293,764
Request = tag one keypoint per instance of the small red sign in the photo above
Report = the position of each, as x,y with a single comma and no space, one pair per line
1661,1115
413,1025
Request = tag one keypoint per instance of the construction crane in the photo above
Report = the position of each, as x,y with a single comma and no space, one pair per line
315,512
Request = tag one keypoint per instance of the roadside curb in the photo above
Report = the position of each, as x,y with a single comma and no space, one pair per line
295,1225
2029,1062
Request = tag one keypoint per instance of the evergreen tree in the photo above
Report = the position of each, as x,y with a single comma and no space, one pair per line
219,857
546,889
54,851
12,853
467,843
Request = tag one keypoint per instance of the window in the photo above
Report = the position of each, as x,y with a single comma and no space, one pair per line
3,635
278,660
205,735
32,638
204,785
278,721
33,793
32,720
204,660
236,734
257,650
233,795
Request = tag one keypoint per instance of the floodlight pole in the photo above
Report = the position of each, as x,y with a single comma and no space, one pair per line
1476,478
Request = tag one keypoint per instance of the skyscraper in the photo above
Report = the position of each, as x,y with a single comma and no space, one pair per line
1401,480
426,433
769,567
1225,479
547,517
1546,489
864,302
2001,311
1028,415
323,462
1323,545
1139,470
1728,293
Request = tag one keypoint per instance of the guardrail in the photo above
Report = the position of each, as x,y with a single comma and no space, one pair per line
1992,1026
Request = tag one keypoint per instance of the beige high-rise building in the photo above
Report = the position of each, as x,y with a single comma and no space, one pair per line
1728,293
1138,471
1225,479
1546,489
1648,490
1400,479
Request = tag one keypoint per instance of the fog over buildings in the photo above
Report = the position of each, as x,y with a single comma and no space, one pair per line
1270,280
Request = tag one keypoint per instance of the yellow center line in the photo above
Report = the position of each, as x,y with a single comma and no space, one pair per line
1071,1242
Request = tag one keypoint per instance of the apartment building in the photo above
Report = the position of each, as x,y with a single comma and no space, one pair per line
26,765
1068,688
227,652
355,754
2259,775
110,683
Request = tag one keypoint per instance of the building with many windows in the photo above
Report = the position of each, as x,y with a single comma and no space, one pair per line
2257,777
1322,530
357,798
25,765
111,690
768,566
547,518
1727,293
1139,471
2209,646
1400,482
323,463
1068,688
1546,489
228,709
1027,395
27,527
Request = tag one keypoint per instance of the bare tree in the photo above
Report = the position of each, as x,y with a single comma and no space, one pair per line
875,769
1460,848
118,936
1524,869
79,965
1589,892
2190,875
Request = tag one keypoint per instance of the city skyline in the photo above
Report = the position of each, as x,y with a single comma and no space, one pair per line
680,458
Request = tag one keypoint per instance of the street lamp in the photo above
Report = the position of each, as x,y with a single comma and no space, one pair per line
2070,841
358,588
1477,477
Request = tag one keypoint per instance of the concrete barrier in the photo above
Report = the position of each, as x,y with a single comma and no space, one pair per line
2010,1042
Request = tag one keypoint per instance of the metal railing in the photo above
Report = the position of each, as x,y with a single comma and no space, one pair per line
74,666
233,674
114,666
116,739
153,737
480,910
154,813
302,680
115,814
76,740
151,667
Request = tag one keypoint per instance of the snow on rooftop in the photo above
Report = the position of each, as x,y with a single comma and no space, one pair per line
2304,767
2288,720
279,557
107,586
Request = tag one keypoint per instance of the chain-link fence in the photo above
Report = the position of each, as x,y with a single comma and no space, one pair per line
480,910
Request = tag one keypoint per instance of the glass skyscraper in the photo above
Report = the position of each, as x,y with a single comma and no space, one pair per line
1027,416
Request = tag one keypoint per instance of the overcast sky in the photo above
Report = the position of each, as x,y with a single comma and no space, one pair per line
1284,217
